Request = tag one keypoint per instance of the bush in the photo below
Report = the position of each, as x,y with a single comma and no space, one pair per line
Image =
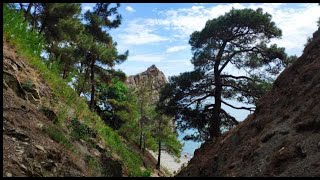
80,130
56,135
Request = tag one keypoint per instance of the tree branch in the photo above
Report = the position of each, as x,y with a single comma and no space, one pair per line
200,99
226,63
232,55
237,88
236,77
246,108
229,85
220,53
230,117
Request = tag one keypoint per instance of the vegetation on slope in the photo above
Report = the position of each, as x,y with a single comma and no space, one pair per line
30,45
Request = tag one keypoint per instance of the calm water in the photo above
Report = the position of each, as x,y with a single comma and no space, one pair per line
189,146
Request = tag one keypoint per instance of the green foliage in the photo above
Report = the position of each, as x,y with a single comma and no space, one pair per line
94,165
117,90
58,136
238,38
142,128
97,54
15,28
80,130
27,84
18,33
83,50
146,173
166,135
114,105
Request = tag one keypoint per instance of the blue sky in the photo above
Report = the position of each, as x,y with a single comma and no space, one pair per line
158,33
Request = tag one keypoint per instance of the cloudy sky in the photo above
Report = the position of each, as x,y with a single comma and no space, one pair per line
158,33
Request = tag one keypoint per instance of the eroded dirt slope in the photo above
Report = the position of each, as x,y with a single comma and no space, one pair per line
281,138
27,110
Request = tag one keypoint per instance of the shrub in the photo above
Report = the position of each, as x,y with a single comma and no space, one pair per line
56,135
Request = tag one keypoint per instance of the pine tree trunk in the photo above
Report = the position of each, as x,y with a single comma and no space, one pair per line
26,13
159,155
216,121
34,21
140,144
159,143
64,75
141,125
144,146
215,125
92,84
141,135
29,8
84,81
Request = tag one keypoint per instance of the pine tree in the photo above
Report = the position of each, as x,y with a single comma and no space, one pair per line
62,29
143,94
103,50
166,138
239,38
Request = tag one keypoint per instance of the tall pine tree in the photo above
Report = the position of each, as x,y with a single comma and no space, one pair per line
102,54
239,39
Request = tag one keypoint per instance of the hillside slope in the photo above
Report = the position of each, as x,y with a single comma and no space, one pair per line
281,138
33,143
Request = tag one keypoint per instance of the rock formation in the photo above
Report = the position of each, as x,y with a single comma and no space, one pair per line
153,75
281,138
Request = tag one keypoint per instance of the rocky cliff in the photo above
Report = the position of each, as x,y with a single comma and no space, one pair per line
154,80
152,77
281,138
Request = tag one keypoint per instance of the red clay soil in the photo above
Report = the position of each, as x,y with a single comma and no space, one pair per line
281,138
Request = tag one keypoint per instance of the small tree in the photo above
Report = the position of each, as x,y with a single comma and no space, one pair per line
164,133
165,137
239,38
144,104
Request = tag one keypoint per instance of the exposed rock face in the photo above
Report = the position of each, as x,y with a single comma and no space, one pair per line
27,149
281,138
154,76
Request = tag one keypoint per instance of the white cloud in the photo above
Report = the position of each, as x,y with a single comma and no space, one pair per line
187,20
297,24
147,58
86,8
130,9
137,34
176,48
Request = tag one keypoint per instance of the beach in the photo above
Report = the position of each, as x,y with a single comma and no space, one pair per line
171,163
